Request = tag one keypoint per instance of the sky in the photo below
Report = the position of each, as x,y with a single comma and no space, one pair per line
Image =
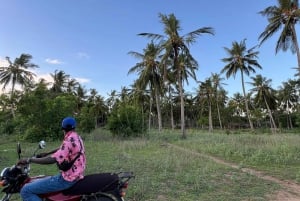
90,39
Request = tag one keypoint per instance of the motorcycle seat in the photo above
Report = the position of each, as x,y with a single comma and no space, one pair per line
102,182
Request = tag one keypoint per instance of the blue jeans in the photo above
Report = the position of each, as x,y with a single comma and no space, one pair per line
55,183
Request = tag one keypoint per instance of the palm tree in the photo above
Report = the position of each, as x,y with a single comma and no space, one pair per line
175,45
17,73
264,94
285,15
81,96
217,85
288,99
238,103
149,74
98,107
206,90
243,60
72,85
60,81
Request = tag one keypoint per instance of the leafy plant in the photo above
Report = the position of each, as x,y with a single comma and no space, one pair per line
126,121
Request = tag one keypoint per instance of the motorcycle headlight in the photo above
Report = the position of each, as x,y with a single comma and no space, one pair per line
4,172
3,175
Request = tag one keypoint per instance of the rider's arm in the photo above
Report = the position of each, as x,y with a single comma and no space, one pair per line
44,160
41,155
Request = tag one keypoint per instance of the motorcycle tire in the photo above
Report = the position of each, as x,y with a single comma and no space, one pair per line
5,198
102,198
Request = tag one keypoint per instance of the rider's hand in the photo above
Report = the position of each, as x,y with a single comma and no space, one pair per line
23,161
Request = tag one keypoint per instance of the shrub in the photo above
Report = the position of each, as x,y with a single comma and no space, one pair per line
126,121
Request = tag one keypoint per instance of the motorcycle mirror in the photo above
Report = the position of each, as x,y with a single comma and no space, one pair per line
42,144
19,151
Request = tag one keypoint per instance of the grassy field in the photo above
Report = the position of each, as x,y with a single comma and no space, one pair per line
164,173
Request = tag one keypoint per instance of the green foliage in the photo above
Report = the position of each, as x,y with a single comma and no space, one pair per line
34,133
86,120
126,121
7,125
40,118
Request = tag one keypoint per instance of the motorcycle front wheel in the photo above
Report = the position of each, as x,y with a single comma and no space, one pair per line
6,197
100,198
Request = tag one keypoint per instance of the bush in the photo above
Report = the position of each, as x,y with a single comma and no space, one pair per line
126,121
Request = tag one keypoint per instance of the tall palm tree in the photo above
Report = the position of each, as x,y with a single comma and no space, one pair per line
17,73
283,16
238,103
207,91
60,80
149,74
264,94
98,107
288,99
217,85
72,85
81,96
243,60
175,45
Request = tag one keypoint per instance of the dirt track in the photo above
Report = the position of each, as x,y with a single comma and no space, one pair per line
290,192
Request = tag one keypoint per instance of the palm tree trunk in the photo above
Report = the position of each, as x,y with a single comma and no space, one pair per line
172,117
171,108
246,102
289,120
183,132
150,114
210,129
219,116
273,124
158,110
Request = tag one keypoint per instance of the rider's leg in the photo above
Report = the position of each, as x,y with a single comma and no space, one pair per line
44,185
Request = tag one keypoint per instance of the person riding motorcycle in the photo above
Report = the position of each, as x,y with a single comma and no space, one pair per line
70,159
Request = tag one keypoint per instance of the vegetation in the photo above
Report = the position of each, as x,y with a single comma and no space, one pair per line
164,172
233,128
32,109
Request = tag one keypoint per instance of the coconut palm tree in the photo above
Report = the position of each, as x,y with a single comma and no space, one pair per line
17,73
288,99
150,75
71,85
217,85
206,90
243,60
175,45
81,96
264,94
60,81
284,17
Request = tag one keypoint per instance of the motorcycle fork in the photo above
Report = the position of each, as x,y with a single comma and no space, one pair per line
6,197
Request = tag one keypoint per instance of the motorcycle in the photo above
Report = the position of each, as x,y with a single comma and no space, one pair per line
93,187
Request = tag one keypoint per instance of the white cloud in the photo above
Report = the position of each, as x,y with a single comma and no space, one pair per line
3,62
49,78
83,55
53,61
82,80
46,77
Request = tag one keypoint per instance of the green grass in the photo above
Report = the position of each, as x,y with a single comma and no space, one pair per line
164,173
276,154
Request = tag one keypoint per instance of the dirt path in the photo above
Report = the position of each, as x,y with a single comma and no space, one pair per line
290,192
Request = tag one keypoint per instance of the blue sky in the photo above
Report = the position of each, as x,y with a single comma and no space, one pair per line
90,39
